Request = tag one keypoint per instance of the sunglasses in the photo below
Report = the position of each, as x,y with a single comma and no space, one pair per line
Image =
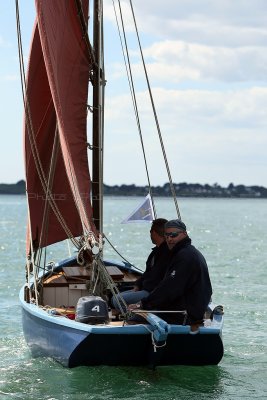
172,234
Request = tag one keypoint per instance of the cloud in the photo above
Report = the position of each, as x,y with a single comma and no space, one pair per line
205,21
179,61
206,62
198,109
206,134
200,41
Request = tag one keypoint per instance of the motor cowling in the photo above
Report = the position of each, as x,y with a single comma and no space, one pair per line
92,310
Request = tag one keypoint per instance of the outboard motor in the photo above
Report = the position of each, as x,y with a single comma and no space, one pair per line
92,310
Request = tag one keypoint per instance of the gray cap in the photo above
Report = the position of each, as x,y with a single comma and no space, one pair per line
175,223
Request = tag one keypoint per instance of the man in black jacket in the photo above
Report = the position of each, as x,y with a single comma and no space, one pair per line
186,284
156,265
157,259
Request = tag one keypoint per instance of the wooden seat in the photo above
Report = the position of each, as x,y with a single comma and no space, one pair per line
80,272
56,280
115,272
76,271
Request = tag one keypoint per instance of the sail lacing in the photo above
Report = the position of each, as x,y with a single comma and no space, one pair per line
98,83
83,23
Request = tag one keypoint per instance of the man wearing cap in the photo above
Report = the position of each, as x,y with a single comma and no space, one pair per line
186,284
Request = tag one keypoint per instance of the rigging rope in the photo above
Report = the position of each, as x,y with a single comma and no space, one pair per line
46,183
31,132
156,118
132,90
34,149
119,254
44,226
106,278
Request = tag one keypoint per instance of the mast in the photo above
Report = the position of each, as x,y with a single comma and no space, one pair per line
97,167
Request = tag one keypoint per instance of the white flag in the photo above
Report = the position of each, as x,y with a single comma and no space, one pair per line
143,213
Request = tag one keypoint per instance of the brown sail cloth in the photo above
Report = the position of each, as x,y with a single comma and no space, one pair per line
56,104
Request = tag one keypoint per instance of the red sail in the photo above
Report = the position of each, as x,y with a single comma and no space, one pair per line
56,104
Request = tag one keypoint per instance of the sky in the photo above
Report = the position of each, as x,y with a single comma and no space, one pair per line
207,66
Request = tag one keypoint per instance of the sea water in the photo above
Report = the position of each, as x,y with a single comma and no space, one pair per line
231,233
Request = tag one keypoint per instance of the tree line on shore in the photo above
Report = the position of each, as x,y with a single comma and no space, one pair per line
181,190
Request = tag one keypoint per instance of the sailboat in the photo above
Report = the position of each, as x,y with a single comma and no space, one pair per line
66,307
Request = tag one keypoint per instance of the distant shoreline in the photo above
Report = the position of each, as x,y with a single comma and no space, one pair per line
181,189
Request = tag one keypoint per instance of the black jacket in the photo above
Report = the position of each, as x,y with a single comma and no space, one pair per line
186,285
156,267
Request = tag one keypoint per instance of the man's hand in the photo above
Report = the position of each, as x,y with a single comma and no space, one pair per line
132,307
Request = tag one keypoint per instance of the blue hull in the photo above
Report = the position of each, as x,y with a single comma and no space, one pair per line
73,344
